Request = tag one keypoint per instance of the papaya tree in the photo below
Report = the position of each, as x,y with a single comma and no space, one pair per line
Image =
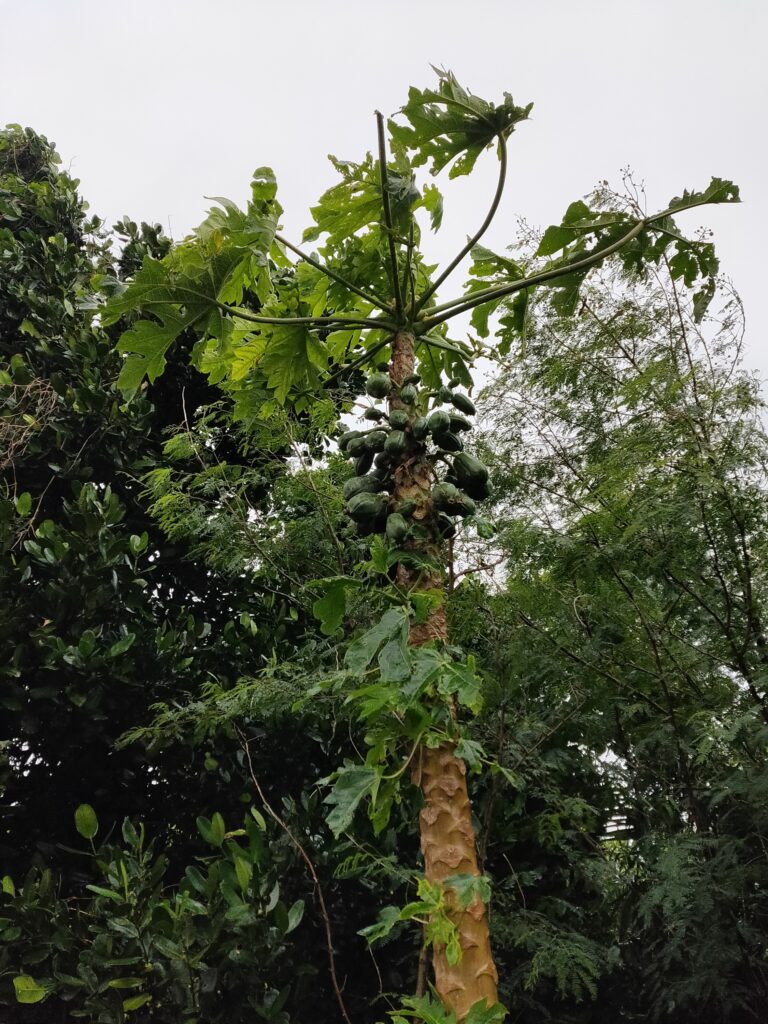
356,326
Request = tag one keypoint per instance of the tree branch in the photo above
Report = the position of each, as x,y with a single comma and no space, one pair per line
310,866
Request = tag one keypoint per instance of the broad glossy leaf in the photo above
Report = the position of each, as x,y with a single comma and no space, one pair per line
27,989
86,822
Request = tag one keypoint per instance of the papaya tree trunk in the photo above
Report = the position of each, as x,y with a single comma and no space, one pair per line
448,841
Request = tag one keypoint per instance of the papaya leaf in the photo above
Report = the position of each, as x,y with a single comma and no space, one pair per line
362,652
426,1009
349,206
452,126
353,782
331,607
468,888
481,1013
388,918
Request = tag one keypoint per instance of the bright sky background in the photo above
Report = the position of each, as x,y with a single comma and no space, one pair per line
155,104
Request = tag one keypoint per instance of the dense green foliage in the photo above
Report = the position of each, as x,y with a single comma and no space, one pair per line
176,570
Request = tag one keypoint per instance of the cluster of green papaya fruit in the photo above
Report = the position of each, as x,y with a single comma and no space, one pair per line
401,432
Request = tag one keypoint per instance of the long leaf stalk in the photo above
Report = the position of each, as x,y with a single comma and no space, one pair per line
478,234
375,300
388,214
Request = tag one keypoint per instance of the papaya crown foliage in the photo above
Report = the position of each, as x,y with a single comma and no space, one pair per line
297,330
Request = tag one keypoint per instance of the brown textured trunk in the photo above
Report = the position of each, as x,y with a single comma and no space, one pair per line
445,822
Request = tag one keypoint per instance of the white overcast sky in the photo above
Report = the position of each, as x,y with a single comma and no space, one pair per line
154,104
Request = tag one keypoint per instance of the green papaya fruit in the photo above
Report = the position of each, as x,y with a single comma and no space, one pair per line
463,403
378,385
366,507
396,529
408,394
466,507
445,496
397,443
444,394
363,463
346,437
439,422
471,474
448,442
413,378
356,446
376,440
458,423
361,485
398,419
373,414
407,507
420,428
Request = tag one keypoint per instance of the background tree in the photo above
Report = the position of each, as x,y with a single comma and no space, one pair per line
103,613
630,453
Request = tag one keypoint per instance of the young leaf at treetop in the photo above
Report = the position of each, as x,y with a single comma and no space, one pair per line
452,123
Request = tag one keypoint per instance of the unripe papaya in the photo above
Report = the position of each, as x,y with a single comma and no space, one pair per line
378,385
412,378
346,437
439,422
396,529
458,423
364,463
397,443
407,507
463,403
356,446
376,440
445,496
472,475
448,442
361,485
444,394
466,507
420,428
373,414
408,394
398,419
365,507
